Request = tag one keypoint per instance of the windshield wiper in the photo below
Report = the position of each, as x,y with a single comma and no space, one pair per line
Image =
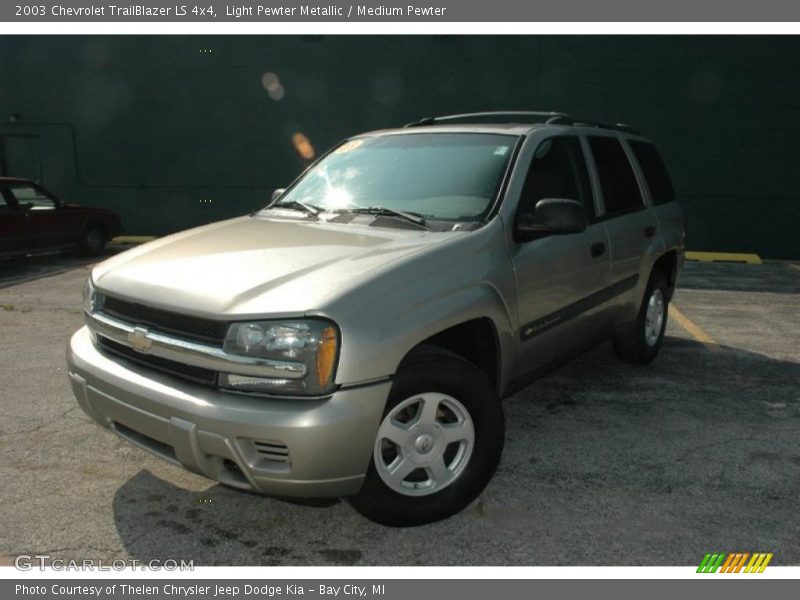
411,217
297,205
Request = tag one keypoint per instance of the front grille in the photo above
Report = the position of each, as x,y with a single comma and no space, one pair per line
185,326
198,374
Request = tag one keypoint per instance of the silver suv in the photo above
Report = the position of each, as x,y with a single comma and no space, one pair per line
355,337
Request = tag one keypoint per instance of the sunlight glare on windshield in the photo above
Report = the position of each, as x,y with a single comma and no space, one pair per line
337,198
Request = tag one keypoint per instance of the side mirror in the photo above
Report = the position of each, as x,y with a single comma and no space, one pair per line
552,216
277,194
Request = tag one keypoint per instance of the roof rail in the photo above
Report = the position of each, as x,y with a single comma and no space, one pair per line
513,116
567,120
508,116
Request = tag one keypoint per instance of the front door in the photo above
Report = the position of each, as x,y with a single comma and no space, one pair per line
44,225
12,225
561,279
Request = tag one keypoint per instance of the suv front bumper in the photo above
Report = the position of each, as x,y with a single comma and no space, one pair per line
280,446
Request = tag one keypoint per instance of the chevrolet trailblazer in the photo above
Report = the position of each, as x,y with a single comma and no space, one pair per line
355,337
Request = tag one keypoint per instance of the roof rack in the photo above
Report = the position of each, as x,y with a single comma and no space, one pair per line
513,116
508,116
568,120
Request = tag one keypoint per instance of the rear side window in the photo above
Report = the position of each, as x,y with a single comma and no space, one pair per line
617,180
558,170
658,181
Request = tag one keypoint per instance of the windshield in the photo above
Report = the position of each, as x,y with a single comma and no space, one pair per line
439,176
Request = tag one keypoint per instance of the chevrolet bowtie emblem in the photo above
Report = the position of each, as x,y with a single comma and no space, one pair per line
139,341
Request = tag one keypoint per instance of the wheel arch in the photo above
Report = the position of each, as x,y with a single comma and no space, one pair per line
667,264
93,221
374,346
475,340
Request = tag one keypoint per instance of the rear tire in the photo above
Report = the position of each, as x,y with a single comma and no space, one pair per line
93,241
438,445
640,341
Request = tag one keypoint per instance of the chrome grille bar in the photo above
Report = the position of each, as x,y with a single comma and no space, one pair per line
191,353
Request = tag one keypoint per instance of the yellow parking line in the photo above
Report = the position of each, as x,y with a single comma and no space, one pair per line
795,266
694,330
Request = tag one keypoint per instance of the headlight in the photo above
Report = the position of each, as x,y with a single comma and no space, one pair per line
89,296
312,342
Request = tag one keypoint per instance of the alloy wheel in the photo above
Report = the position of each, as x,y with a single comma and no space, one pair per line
424,444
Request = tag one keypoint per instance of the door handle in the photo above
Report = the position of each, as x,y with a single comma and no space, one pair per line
649,231
598,249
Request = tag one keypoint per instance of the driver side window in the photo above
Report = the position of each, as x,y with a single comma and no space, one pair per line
558,170
29,195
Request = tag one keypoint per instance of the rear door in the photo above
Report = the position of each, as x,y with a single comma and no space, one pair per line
631,225
662,194
560,278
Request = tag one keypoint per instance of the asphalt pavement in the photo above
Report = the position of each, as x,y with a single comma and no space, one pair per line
605,463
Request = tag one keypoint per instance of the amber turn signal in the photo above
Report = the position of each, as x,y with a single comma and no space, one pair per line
326,356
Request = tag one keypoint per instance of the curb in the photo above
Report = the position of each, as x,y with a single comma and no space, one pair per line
132,239
734,257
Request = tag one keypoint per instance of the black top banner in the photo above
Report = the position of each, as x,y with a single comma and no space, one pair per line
408,10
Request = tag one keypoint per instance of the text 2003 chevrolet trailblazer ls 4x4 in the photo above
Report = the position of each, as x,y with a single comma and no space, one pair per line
355,337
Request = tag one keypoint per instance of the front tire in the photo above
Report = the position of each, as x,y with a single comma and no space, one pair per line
438,445
640,341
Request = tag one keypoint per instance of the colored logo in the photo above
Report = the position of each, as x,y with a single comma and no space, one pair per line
735,562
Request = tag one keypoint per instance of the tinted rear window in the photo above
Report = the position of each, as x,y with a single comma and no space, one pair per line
658,181
617,180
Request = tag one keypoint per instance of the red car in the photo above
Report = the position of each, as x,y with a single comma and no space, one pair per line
34,220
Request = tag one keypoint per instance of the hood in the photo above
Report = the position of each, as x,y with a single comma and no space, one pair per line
252,266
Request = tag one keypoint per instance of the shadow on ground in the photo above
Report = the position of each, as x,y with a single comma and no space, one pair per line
605,464
17,270
772,277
